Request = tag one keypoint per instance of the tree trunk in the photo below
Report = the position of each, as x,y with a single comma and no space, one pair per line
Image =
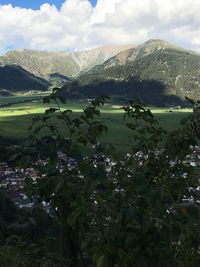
69,247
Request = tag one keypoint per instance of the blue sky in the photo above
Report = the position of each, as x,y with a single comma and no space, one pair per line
35,4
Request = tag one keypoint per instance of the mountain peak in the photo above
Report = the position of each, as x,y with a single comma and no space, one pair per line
139,51
155,71
158,43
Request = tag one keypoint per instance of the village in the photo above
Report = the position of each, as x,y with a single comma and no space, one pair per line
12,179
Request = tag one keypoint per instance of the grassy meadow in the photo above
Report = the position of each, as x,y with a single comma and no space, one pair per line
16,117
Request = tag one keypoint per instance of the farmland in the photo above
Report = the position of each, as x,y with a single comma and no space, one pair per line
17,111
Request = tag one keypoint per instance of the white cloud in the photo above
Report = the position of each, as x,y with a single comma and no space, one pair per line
78,25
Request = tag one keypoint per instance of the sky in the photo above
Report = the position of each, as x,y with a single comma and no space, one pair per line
35,4
83,24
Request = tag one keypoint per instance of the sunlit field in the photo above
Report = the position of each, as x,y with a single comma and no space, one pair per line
16,118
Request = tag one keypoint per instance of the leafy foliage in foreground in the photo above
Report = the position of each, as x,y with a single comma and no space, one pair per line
115,211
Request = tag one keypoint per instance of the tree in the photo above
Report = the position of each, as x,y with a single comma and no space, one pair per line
118,211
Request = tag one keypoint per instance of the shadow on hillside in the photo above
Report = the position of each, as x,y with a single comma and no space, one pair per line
151,92
59,76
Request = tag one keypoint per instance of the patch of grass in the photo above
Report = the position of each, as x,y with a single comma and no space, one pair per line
15,119
22,97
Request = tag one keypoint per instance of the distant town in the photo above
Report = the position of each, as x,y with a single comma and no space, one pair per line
12,179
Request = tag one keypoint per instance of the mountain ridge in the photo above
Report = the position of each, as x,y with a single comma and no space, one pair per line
164,66
14,78
68,64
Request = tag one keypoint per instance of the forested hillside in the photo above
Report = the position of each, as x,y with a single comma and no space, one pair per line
14,78
154,69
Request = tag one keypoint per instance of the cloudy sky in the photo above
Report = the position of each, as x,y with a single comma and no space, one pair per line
84,24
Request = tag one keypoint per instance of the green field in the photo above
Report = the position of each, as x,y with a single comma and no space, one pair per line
16,118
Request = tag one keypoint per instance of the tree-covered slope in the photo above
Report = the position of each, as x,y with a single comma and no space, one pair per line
176,69
15,78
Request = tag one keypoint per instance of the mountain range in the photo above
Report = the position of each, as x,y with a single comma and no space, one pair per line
59,67
156,71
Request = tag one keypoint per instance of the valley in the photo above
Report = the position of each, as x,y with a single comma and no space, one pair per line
99,133
81,170
19,110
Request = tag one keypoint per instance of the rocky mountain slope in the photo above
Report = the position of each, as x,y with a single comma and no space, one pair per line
90,58
155,66
66,64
